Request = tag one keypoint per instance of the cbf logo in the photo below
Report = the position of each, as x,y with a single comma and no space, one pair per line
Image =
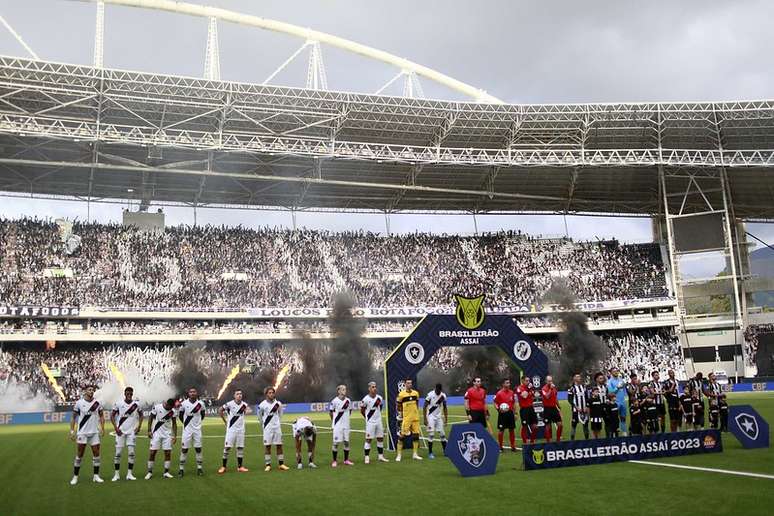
538,456
470,311
472,448
415,353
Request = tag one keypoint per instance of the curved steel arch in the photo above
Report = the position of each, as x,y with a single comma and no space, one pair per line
309,34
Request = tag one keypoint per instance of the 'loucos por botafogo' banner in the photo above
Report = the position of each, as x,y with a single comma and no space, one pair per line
615,449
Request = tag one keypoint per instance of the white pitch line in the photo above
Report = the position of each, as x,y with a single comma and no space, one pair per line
709,470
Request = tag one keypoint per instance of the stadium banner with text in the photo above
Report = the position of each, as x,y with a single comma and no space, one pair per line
618,449
393,312
35,418
38,312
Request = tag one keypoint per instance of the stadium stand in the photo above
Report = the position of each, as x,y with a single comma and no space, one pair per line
204,268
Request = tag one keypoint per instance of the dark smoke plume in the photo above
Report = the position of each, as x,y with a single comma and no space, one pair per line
187,372
349,360
582,351
309,385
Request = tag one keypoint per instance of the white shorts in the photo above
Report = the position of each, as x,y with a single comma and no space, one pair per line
235,438
159,442
191,435
340,434
435,425
126,439
90,439
272,436
375,429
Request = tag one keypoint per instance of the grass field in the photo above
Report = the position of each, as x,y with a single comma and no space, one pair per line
36,465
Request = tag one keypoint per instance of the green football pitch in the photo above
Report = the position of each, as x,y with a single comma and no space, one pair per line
36,466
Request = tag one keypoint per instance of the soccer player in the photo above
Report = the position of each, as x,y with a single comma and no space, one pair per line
339,410
436,415
304,430
686,406
526,397
617,385
551,413
87,414
698,409
650,409
612,419
673,401
596,411
162,434
408,414
371,409
505,418
270,412
657,392
723,408
713,395
128,425
191,415
235,430
578,397
475,403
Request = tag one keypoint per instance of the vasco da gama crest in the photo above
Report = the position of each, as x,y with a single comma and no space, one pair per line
472,448
470,311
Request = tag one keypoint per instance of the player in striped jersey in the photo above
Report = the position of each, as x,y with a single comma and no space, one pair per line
162,431
578,397
191,415
126,417
270,414
371,408
436,414
235,430
339,410
87,414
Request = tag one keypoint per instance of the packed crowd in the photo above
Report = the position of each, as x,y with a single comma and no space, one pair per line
233,267
751,340
640,351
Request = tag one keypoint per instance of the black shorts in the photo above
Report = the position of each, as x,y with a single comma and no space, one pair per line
688,419
661,409
581,418
478,416
506,420
674,413
528,416
596,426
552,415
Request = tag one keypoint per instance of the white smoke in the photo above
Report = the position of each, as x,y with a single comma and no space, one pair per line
148,392
16,397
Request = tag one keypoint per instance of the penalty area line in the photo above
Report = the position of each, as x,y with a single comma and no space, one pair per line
708,470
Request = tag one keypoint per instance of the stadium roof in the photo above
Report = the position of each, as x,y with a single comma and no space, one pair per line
92,133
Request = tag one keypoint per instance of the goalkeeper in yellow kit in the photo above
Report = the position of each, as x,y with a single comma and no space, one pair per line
408,413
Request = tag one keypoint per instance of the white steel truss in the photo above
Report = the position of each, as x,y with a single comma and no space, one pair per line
576,157
99,36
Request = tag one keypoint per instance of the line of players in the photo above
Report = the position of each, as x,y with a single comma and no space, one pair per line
602,405
88,426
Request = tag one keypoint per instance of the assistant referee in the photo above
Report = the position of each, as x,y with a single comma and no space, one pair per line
475,403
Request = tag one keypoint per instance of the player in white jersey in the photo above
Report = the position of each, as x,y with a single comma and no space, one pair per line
87,414
371,408
269,414
126,417
162,431
191,415
436,415
339,410
304,430
235,410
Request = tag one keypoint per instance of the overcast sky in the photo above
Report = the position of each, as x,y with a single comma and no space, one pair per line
520,51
